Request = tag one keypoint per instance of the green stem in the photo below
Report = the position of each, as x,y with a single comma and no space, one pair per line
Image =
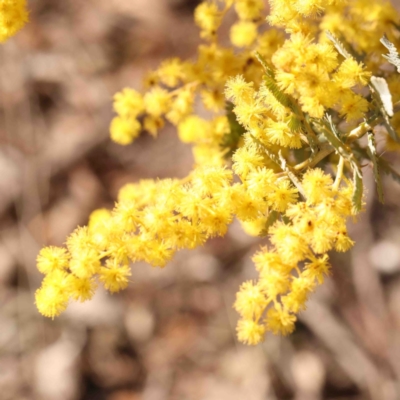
339,174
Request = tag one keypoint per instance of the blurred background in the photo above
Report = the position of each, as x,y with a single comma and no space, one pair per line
171,334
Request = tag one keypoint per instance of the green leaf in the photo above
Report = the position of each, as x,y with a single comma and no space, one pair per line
341,148
231,140
338,44
333,127
390,130
294,123
330,133
272,218
382,89
268,70
298,121
383,98
357,192
281,162
383,164
388,170
271,84
373,157
273,87
393,56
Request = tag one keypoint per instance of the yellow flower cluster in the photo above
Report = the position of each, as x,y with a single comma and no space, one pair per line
13,16
312,73
297,262
280,111
364,20
150,222
174,88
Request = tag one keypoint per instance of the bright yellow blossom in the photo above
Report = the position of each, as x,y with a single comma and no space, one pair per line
115,277
13,16
243,33
249,9
124,130
128,103
157,101
51,259
280,107
280,321
208,18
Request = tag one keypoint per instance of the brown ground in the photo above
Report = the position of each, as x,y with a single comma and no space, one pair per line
171,335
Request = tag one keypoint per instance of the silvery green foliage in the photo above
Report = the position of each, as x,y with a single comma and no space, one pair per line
393,56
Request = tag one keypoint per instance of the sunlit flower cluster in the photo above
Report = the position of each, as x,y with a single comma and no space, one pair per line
279,151
297,261
13,16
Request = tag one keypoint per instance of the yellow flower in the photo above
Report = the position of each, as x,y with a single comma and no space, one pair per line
213,100
208,18
51,301
53,296
310,7
255,227
157,101
268,42
245,207
300,289
290,245
247,159
280,321
181,106
249,9
243,33
79,240
250,332
82,289
323,237
193,129
280,133
238,90
261,182
85,264
153,124
351,73
266,261
171,72
282,195
51,259
126,215
343,242
274,282
115,277
353,106
317,185
128,103
124,130
13,16
250,301
276,91
207,155
318,268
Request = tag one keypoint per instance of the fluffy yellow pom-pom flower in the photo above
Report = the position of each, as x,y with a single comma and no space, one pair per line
128,103
115,278
13,16
250,332
124,130
243,33
51,259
